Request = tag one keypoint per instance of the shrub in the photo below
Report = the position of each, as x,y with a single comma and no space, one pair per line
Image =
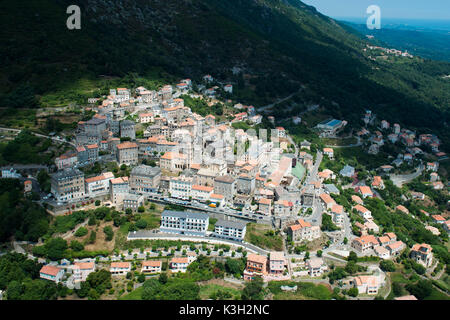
109,233
387,265
141,224
81,232
353,292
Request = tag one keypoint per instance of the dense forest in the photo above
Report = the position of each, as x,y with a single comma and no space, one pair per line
19,216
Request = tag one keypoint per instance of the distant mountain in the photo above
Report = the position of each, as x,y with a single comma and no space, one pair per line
279,44
424,42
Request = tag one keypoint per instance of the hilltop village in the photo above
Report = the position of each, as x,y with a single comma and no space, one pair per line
145,185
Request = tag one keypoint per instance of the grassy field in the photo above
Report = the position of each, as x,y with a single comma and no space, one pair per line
437,295
263,236
305,291
133,295
339,142
209,289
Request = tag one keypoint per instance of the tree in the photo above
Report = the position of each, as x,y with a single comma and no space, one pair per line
92,237
398,289
141,224
99,280
163,278
353,292
141,209
151,288
97,203
306,256
108,232
352,257
141,278
14,290
81,232
387,265
418,268
76,245
55,248
128,211
319,253
421,290
234,266
253,290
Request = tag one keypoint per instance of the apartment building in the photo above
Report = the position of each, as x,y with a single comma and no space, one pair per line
94,126
303,231
226,186
366,284
265,206
230,230
132,201
364,244
283,208
81,270
181,187
127,153
245,183
184,222
201,193
99,185
328,202
174,162
277,263
145,179
118,188
66,160
316,267
151,266
68,185
422,254
92,152
127,129
120,268
256,266
179,264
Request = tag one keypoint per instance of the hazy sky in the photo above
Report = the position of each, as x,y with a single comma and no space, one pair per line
406,9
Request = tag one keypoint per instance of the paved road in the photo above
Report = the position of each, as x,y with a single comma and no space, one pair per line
264,108
149,235
399,180
357,144
40,135
226,211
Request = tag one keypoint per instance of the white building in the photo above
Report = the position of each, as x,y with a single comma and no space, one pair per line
81,270
184,222
181,187
179,264
118,188
120,268
316,267
151,266
98,185
230,230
